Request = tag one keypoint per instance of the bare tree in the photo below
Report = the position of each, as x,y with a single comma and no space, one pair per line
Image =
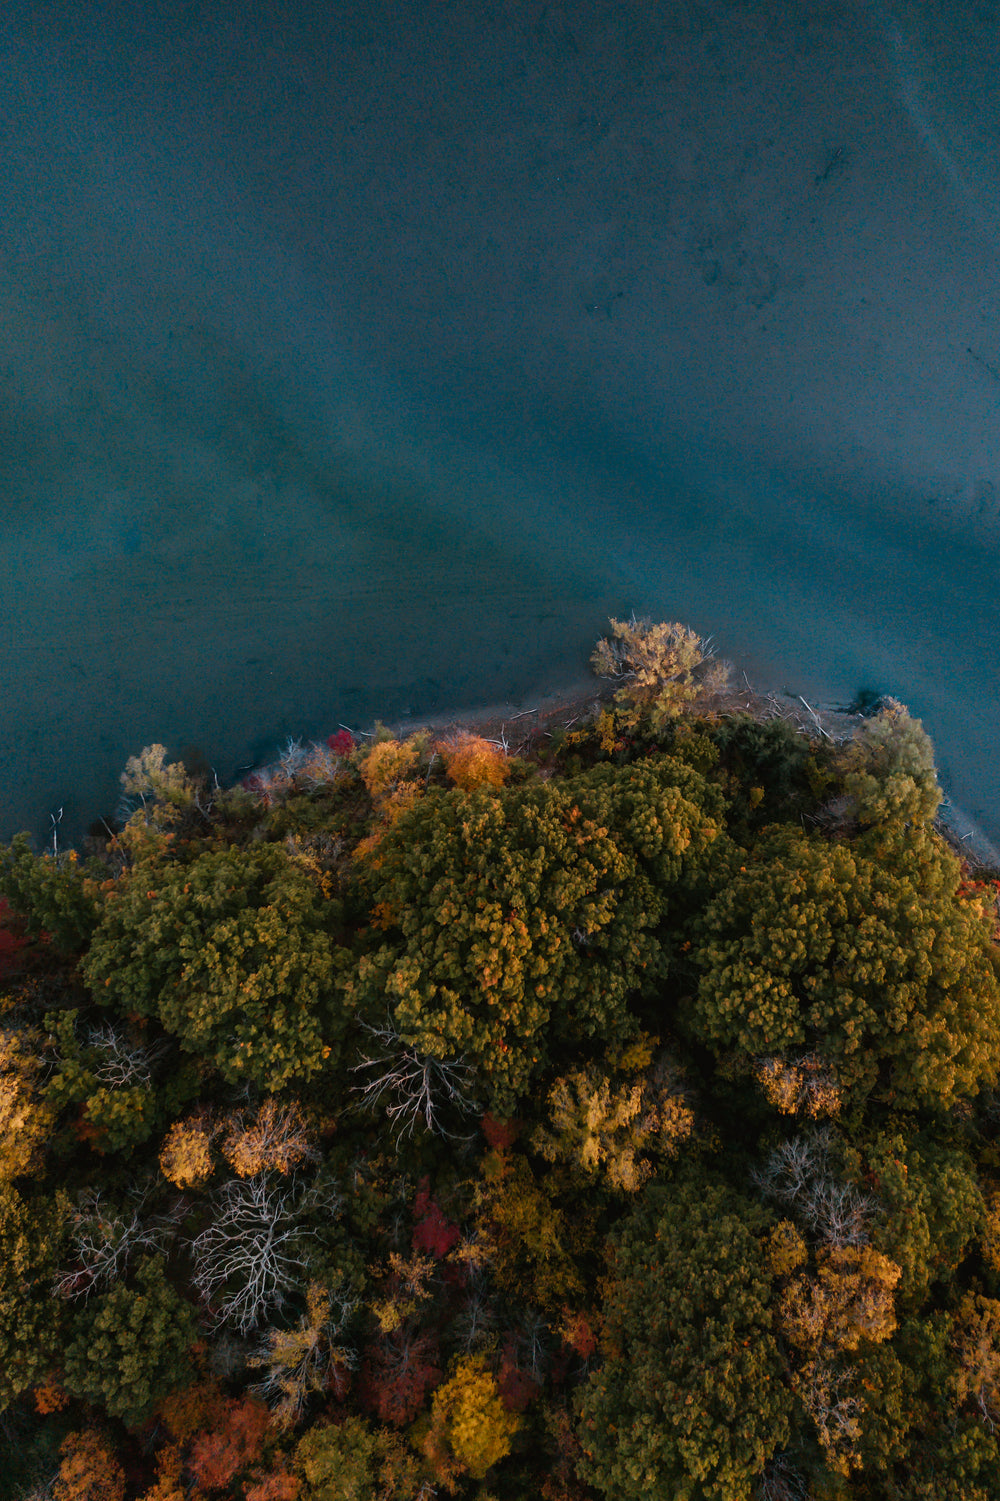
413,1086
250,1256
301,1361
801,1175
104,1240
119,1062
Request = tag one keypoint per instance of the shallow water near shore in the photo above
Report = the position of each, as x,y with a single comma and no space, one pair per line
356,368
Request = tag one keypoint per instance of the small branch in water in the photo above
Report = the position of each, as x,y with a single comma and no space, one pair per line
990,369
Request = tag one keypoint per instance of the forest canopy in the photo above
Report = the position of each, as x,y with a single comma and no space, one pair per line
612,1116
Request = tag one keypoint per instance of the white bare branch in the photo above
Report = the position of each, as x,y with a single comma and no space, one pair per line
103,1241
414,1087
251,1254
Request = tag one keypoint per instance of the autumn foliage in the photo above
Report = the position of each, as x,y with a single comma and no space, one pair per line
612,1121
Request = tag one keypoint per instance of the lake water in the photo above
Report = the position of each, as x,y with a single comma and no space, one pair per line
361,361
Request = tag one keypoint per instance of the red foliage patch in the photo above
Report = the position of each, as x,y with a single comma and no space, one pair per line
342,743
517,1388
10,944
397,1374
499,1134
432,1231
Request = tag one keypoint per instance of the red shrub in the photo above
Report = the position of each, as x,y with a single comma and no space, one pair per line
342,743
432,1231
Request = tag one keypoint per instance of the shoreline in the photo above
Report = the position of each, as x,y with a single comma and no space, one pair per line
517,729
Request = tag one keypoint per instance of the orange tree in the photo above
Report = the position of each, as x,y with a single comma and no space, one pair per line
522,918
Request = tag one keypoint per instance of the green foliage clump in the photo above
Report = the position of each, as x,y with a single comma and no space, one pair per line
231,954
690,1399
53,894
31,1237
353,1459
130,1347
815,945
888,771
931,1209
520,919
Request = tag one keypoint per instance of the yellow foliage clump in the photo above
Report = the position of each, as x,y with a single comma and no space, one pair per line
976,1342
850,1299
990,1237
25,1123
388,763
186,1155
786,1250
472,762
613,1127
275,1139
469,1425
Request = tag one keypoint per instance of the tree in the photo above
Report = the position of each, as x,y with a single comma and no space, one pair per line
814,946
103,1238
888,770
595,1123
25,1120
416,1089
352,1461
186,1154
472,762
131,1345
533,1247
518,921
220,1452
251,1254
31,1233
302,1362
468,1422
690,1399
662,668
931,1209
54,894
275,1139
89,1471
231,954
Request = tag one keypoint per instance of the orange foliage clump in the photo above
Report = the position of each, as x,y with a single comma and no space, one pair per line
220,1453
276,1139
49,1397
280,1485
192,1408
89,1470
169,1484
472,762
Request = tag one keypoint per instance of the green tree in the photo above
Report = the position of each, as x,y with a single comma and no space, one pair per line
813,945
53,894
931,1210
521,919
31,1235
131,1346
231,953
352,1461
690,1400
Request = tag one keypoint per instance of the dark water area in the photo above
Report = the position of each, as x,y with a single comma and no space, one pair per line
359,361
